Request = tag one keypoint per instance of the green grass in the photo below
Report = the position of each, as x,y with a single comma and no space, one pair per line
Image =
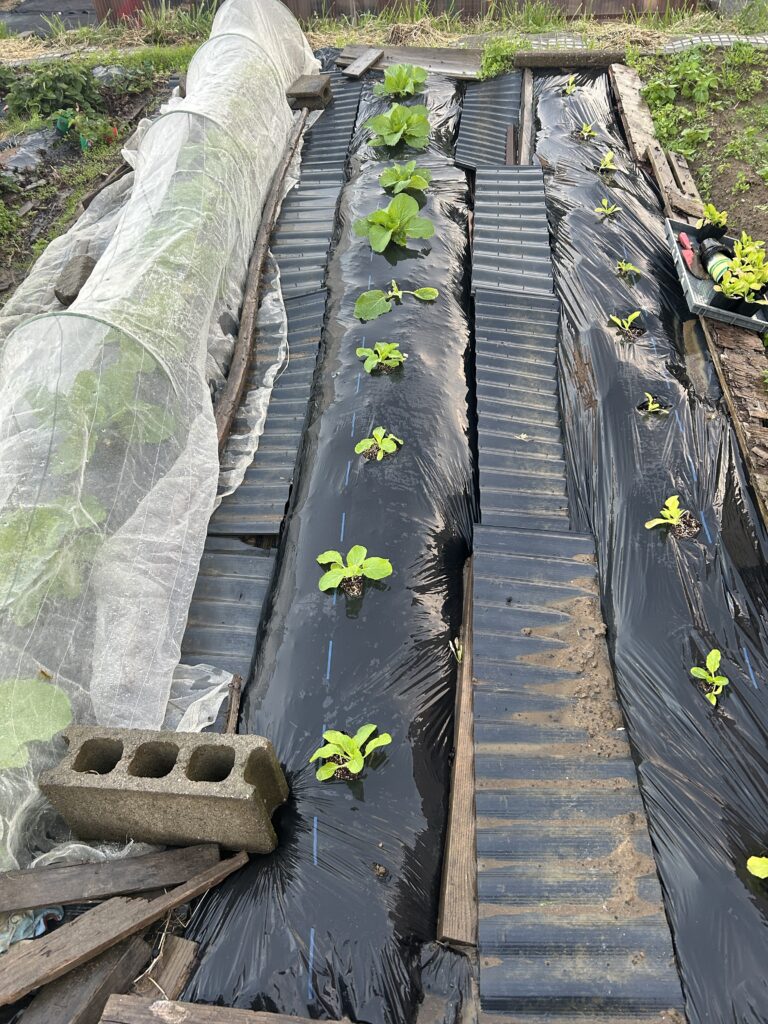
5,32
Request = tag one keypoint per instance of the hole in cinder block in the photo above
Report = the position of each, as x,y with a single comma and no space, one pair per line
210,764
99,755
153,760
254,767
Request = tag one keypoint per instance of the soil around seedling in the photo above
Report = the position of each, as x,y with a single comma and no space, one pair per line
688,527
631,335
371,453
352,586
661,411
342,773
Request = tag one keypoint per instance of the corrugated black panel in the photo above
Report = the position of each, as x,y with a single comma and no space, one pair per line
226,606
489,109
571,923
258,504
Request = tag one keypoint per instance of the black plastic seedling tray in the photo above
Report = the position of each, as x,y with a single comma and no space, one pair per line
700,293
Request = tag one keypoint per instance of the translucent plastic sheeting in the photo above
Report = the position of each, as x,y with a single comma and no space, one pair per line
108,449
667,601
340,919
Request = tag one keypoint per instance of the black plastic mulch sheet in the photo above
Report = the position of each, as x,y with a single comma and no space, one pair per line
667,601
340,920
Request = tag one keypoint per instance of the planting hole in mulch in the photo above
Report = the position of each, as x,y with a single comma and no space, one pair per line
688,527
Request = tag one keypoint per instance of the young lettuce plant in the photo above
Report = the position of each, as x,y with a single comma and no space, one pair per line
401,80
350,576
652,405
626,324
405,178
384,356
345,755
607,209
400,124
587,132
608,164
396,223
679,519
373,304
378,445
626,269
570,86
710,678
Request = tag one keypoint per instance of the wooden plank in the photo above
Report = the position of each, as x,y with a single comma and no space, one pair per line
525,140
27,966
683,177
366,60
662,174
567,58
453,63
79,883
170,973
457,916
132,1010
80,996
510,155
633,110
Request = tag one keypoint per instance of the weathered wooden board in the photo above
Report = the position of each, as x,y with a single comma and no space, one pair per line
457,916
366,60
79,883
171,972
454,63
27,966
525,140
80,996
567,59
132,1010
510,153
633,110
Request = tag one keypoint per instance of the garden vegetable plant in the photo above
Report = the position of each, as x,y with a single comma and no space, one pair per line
405,178
358,566
385,355
379,444
607,164
587,132
345,755
625,324
626,269
651,405
747,275
670,515
607,208
401,80
717,218
570,86
400,124
396,223
373,304
709,676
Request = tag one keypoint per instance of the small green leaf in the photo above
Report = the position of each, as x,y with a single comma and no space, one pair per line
379,237
363,733
329,750
371,305
378,741
699,673
326,771
758,866
364,445
426,294
711,698
331,579
30,710
377,568
330,557
371,363
355,764
713,660
356,555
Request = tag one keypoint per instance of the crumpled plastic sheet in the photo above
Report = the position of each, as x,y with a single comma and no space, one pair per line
667,602
108,451
341,918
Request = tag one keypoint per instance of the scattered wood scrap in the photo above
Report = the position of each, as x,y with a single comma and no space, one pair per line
634,112
453,63
675,201
27,966
168,975
131,1010
367,59
79,883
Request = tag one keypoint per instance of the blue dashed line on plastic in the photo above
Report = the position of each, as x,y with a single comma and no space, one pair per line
330,655
745,652
357,386
354,417
692,465
679,422
314,838
346,478
311,966
370,278
343,524
704,524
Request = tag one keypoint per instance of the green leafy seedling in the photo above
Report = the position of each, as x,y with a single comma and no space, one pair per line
345,755
651,405
385,355
717,218
587,132
379,444
570,86
710,678
401,80
373,304
625,323
758,866
608,163
626,269
670,515
400,124
395,223
350,576
405,178
607,208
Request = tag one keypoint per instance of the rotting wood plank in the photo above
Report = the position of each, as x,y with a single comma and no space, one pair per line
80,996
672,197
364,62
525,139
510,153
457,916
133,1010
453,63
567,58
170,973
27,966
634,112
79,883
683,177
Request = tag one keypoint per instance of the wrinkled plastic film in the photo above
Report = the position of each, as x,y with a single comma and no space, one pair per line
341,919
667,601
108,452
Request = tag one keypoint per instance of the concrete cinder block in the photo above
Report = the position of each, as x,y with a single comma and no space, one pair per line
168,787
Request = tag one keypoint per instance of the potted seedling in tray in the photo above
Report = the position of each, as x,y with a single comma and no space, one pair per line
405,178
384,357
627,326
653,405
395,223
745,280
378,445
373,304
678,519
711,683
713,224
344,756
351,575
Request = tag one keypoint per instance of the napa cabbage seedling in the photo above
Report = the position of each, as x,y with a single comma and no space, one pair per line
626,269
717,218
395,223
405,178
570,86
401,80
400,124
385,355
373,304
625,323
710,678
345,755
379,444
670,515
587,132
607,164
607,208
758,866
651,405
350,576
